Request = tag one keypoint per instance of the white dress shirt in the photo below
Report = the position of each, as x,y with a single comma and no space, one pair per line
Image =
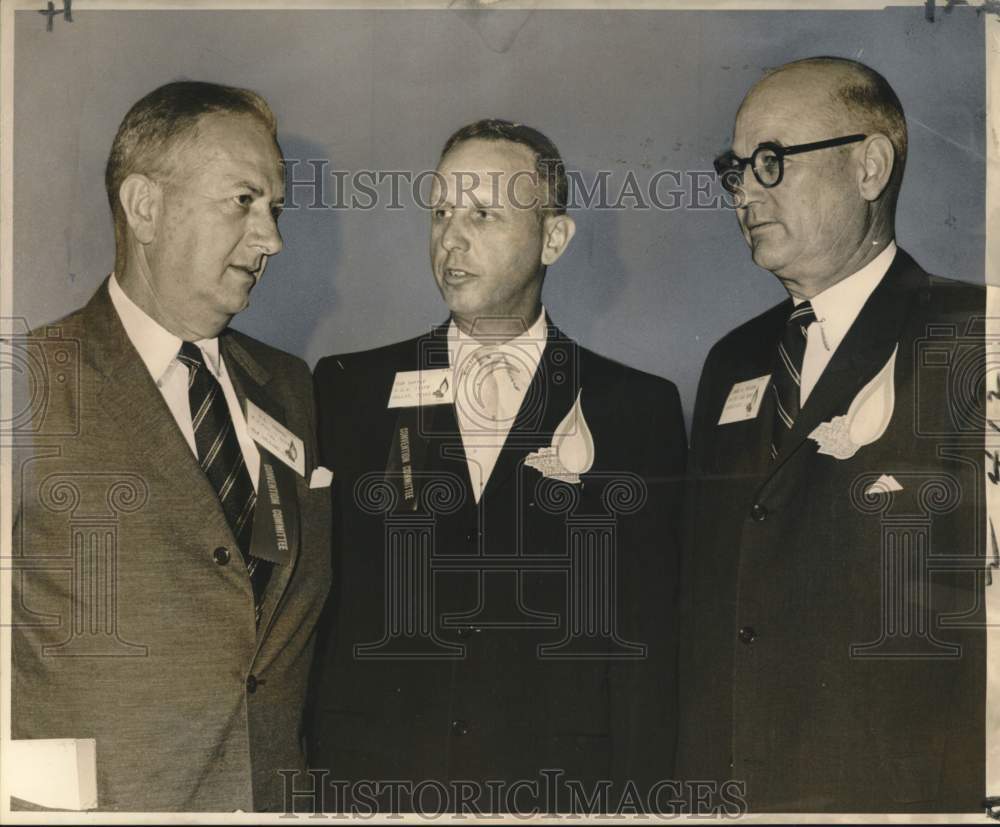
158,347
483,437
836,309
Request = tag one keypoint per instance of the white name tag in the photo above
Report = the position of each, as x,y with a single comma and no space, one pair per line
415,388
744,400
276,438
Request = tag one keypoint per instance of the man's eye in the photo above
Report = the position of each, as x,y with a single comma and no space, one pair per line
440,212
244,199
484,215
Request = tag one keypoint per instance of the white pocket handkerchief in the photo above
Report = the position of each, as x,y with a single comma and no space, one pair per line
885,484
321,477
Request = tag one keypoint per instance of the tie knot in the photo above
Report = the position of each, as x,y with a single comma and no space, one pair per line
190,355
803,315
487,355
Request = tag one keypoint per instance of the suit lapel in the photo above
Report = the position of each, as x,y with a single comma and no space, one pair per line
438,429
761,360
162,448
548,399
136,408
434,441
277,500
865,349
743,447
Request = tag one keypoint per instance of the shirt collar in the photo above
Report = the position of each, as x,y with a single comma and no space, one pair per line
526,348
157,346
838,306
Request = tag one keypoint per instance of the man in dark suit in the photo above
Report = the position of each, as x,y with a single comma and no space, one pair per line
505,508
833,654
170,556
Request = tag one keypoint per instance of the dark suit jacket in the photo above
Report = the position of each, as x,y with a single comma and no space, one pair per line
833,649
492,673
129,627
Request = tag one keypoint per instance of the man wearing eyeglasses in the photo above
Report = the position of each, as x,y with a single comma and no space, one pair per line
833,646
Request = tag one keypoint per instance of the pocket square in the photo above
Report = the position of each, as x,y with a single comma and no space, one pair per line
321,477
885,484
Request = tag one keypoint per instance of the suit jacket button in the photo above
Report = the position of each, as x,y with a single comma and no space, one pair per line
221,555
459,727
758,512
251,684
747,634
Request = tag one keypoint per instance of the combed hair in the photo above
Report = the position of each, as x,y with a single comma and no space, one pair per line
548,162
159,122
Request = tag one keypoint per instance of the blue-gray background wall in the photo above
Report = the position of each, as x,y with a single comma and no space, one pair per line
381,90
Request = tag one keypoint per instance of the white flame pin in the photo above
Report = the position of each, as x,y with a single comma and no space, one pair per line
572,450
866,419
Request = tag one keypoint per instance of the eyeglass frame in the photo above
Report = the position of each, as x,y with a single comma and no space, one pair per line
780,152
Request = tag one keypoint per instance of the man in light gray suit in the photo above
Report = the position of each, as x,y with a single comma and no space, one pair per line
171,541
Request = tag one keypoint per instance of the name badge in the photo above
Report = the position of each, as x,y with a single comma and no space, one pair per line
276,438
415,388
744,400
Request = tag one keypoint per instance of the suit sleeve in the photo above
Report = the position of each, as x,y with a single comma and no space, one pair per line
325,393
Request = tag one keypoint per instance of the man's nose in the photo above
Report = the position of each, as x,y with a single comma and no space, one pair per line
454,236
750,190
265,235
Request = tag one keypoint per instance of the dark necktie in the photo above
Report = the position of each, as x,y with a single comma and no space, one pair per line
787,378
222,461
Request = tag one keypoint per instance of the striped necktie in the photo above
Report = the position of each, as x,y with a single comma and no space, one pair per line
787,379
222,461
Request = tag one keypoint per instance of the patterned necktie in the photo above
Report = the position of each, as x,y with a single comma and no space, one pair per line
787,379
222,461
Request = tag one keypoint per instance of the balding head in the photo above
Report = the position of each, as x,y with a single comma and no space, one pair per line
832,210
848,97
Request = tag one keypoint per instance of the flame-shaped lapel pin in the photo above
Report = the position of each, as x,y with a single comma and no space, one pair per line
572,450
866,419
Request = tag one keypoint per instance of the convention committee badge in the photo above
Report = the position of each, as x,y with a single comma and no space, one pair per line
276,438
415,388
744,400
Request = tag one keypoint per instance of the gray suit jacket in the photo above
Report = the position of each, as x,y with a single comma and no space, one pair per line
133,614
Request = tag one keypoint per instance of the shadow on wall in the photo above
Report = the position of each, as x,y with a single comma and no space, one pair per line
301,282
591,272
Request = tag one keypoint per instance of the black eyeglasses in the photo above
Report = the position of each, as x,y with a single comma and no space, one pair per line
768,161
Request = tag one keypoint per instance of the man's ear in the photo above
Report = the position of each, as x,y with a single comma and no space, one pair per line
876,166
141,199
558,232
